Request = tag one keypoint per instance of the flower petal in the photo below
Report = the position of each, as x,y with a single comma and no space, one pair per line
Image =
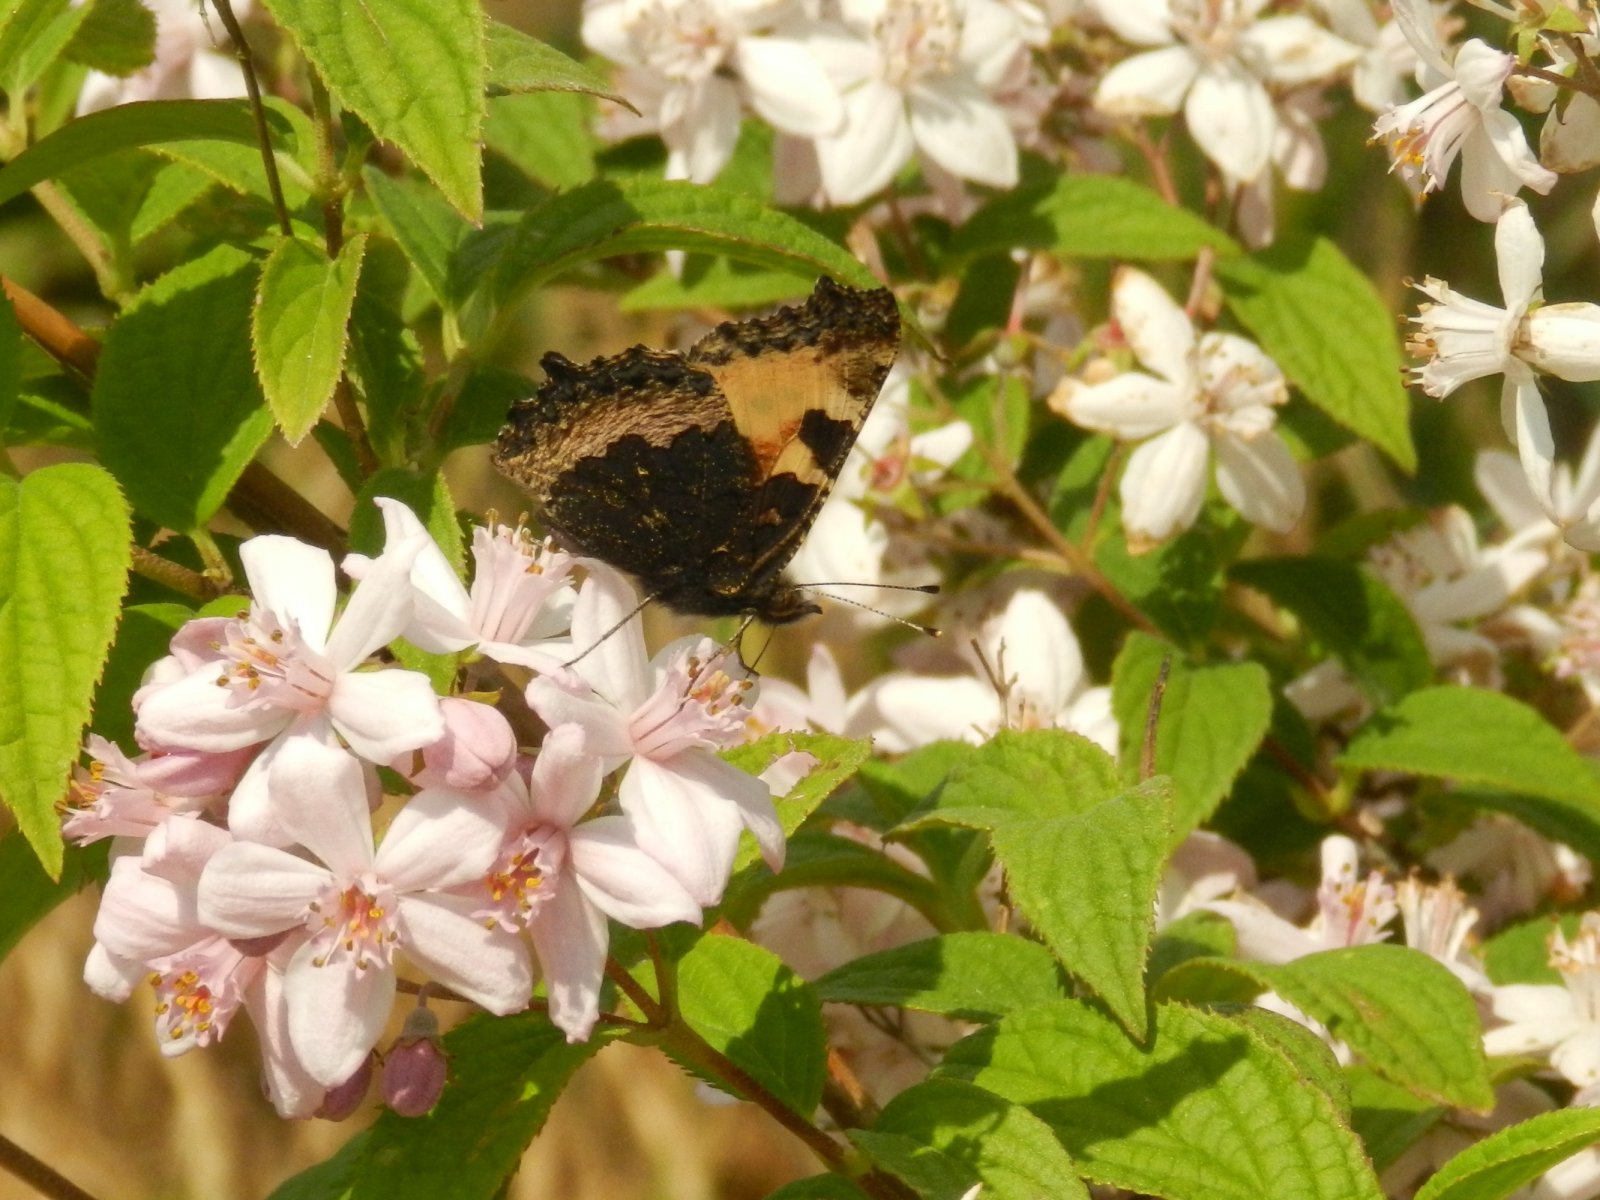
870,149
570,937
293,581
381,606
385,713
319,796
487,965
194,713
788,87
1152,84
1131,406
1230,115
248,890
1260,478
692,832
622,880
565,778
964,131
336,1014
1164,483
438,840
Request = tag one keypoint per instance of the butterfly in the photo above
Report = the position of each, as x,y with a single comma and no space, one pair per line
699,473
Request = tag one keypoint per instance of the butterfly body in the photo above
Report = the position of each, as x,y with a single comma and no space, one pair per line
700,473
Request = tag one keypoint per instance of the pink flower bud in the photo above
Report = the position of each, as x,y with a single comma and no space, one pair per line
341,1101
414,1072
477,751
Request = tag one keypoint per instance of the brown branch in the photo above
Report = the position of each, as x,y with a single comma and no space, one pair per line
173,575
42,1178
56,335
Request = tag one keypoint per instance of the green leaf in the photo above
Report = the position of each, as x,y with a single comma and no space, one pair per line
1386,1117
1207,1111
1476,737
545,135
1321,320
1351,614
714,283
973,976
1013,1152
1509,1158
1087,883
299,326
412,70
1198,934
837,759
481,406
427,229
143,636
29,894
1177,584
1520,953
426,495
747,1005
930,1174
505,1073
1212,720
1404,1013
608,217
149,123
1041,773
519,63
34,35
1408,1018
1082,856
1089,216
1313,1061
819,1187
899,788
117,37
176,403
64,555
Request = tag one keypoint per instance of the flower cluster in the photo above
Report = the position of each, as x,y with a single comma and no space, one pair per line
305,819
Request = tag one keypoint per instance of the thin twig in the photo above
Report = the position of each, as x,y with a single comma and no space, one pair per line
1152,719
57,336
241,51
42,1178
173,575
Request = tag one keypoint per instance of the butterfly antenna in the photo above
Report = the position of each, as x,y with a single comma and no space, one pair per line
929,589
632,613
738,641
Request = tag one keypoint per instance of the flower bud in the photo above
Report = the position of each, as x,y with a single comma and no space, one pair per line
476,752
341,1101
414,1072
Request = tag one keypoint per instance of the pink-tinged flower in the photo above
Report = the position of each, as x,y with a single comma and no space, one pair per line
1216,393
118,796
289,669
192,62
920,75
149,928
666,718
560,877
1559,1020
1437,919
1213,61
415,1070
1459,113
360,908
477,751
1516,869
688,64
519,603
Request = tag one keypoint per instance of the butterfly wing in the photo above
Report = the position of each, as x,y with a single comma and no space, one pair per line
635,461
799,385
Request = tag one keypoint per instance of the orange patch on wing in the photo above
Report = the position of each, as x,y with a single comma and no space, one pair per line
768,449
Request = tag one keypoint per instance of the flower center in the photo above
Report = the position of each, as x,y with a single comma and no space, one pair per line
267,661
513,578
356,923
697,704
918,40
683,39
523,878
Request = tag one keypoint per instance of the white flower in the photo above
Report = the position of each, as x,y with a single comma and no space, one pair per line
1214,60
361,906
559,876
665,718
1036,660
1459,113
688,59
189,62
1515,868
520,599
1215,393
1561,1020
920,77
289,669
